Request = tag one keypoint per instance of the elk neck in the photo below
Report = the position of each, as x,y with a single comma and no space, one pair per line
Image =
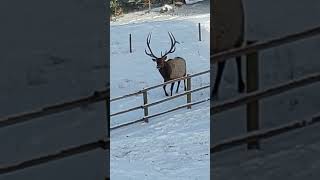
164,71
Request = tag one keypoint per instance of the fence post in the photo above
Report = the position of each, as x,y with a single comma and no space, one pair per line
199,31
145,101
130,43
252,109
188,89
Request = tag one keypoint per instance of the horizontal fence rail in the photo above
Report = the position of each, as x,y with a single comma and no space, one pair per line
53,109
264,134
160,101
225,55
176,96
101,144
158,114
250,97
159,85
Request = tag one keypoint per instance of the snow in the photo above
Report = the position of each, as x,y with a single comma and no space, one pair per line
174,145
185,12
192,1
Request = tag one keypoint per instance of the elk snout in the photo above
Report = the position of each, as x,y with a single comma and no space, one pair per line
160,63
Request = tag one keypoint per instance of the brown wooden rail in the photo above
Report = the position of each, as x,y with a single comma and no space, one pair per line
275,90
101,144
158,85
160,101
264,134
158,114
53,109
263,45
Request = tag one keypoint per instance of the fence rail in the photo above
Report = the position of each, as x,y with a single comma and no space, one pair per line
161,113
263,45
146,105
101,144
264,134
253,136
275,90
53,109
159,85
160,101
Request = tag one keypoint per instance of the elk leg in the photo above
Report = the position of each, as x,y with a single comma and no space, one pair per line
172,84
178,87
220,69
164,88
241,85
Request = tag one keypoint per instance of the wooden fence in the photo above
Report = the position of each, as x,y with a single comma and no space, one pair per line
251,99
146,104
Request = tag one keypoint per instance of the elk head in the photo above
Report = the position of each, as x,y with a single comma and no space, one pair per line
162,59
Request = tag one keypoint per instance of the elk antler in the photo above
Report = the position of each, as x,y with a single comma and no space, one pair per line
173,43
148,44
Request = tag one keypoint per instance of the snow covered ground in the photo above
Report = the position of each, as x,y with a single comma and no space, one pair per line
175,145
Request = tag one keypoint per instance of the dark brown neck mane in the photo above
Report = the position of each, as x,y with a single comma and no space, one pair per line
164,71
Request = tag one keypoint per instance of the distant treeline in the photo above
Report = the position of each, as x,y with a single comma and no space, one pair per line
123,6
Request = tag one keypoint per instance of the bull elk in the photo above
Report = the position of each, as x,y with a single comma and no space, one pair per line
169,69
228,32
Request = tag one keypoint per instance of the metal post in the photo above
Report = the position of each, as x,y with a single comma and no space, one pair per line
145,101
199,31
188,89
130,43
252,108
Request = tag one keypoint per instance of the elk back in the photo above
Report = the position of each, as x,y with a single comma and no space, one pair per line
177,67
228,24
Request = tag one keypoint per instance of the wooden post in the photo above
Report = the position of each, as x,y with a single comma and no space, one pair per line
188,89
199,31
130,43
145,101
252,85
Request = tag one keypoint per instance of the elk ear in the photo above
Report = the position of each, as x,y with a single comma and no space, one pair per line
165,57
153,59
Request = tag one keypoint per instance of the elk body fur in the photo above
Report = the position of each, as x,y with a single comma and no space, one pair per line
169,69
228,32
175,68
